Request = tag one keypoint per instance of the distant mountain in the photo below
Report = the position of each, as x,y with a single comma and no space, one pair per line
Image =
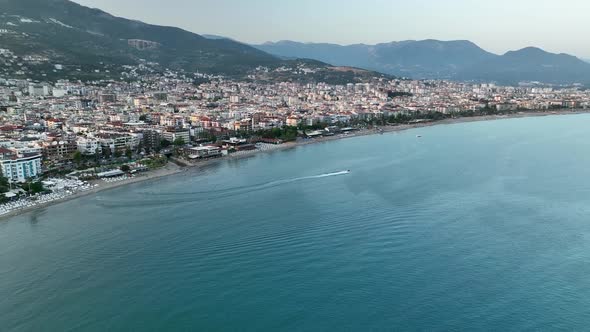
443,60
353,55
421,59
530,64
80,37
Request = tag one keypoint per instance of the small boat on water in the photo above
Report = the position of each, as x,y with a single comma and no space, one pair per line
418,136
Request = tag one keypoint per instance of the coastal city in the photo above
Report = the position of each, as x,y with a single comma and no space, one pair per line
96,133
236,165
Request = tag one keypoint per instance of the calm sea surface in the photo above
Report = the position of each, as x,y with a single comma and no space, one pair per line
475,226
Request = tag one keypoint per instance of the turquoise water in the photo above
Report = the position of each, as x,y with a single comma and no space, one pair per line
475,226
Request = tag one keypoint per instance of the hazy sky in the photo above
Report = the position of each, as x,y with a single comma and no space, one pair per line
496,25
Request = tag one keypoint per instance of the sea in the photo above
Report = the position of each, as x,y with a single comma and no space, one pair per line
459,227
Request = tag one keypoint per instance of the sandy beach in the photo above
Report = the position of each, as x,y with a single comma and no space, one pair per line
169,169
172,168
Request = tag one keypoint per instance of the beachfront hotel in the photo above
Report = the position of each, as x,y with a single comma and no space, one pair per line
20,168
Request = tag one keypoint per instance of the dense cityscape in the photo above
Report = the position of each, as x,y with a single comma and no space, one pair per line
237,165
104,129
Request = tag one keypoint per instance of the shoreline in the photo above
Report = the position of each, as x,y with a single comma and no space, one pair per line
171,168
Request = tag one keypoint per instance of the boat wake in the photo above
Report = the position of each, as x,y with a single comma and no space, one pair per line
327,175
216,193
159,199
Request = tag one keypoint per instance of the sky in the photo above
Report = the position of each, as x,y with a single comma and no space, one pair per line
498,26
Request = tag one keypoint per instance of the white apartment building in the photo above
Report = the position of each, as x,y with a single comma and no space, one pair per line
173,135
174,121
21,168
89,146
39,89
118,142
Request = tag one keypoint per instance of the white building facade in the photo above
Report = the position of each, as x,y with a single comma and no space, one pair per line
22,168
89,146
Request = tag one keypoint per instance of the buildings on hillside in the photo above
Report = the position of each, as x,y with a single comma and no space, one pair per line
106,119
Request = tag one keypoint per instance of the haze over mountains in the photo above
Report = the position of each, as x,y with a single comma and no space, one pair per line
461,60
89,39
85,40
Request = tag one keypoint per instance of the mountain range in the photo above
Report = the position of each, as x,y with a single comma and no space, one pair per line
91,43
460,60
80,37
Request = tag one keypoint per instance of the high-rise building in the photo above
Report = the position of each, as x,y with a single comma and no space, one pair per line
152,140
107,98
20,168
